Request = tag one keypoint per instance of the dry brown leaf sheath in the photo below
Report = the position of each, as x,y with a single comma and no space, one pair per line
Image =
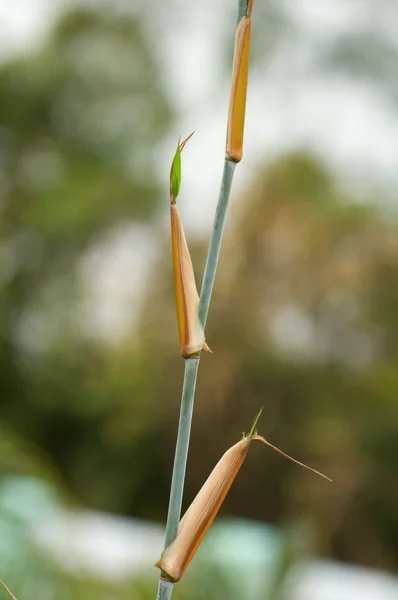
200,515
203,510
237,102
191,333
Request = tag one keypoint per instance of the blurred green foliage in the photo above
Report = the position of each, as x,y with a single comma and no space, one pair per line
304,319
79,119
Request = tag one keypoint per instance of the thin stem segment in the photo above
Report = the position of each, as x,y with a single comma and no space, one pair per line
215,242
181,453
243,8
191,371
165,590
192,364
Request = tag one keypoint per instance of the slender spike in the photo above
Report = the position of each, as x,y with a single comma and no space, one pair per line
185,141
259,438
254,424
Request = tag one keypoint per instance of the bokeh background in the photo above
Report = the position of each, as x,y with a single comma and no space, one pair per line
304,319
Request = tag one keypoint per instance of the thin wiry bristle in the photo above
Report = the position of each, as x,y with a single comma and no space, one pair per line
264,441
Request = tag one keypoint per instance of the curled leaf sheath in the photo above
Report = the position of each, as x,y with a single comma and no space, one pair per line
237,103
200,515
190,331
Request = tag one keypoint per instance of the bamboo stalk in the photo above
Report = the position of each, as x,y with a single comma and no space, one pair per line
165,589
192,364
180,458
215,241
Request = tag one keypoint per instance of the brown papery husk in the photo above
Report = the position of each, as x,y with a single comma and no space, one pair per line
200,515
191,333
203,510
237,101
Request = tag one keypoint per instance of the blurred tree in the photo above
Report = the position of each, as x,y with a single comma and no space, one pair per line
304,317
79,119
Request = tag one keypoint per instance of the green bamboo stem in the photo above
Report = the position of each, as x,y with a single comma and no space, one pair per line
181,453
215,241
165,590
242,9
192,364
191,371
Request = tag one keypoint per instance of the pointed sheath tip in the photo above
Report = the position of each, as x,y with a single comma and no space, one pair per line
259,438
181,146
